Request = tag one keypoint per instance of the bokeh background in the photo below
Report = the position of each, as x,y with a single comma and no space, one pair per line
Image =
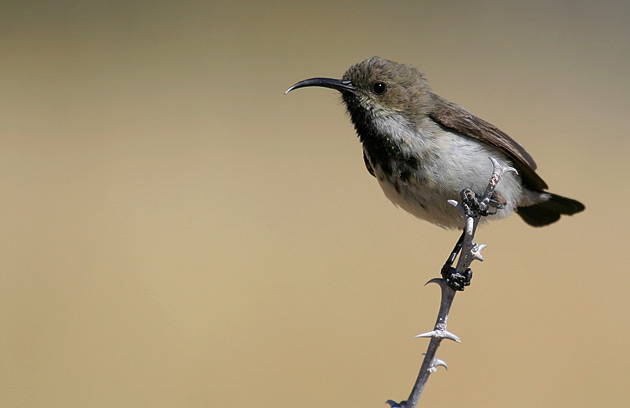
177,232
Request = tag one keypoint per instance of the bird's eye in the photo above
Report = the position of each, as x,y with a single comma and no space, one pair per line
379,88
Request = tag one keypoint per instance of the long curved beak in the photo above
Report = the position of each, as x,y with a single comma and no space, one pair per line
342,85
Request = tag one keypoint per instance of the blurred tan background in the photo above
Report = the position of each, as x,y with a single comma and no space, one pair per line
176,232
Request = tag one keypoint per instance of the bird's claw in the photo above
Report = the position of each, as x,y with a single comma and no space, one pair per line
475,206
456,280
496,204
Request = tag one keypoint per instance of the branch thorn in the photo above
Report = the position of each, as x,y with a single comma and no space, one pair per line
440,334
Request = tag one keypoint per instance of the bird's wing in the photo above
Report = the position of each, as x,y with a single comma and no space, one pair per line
459,119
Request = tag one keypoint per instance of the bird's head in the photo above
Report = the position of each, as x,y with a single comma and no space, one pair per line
377,88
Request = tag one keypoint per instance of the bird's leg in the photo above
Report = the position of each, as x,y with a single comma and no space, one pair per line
473,207
455,252
455,280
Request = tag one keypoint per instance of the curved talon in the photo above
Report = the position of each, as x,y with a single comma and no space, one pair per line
496,204
440,334
393,404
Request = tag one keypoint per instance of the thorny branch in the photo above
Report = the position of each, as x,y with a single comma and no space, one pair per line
470,251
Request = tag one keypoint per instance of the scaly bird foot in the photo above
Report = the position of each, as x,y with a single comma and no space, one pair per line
456,280
475,207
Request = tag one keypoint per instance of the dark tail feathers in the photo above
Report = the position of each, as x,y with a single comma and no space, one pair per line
549,211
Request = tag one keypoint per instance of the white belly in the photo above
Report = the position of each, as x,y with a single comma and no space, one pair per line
451,165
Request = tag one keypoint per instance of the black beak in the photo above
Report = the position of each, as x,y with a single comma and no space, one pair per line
342,85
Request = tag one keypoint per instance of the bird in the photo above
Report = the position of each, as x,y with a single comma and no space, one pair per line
424,150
